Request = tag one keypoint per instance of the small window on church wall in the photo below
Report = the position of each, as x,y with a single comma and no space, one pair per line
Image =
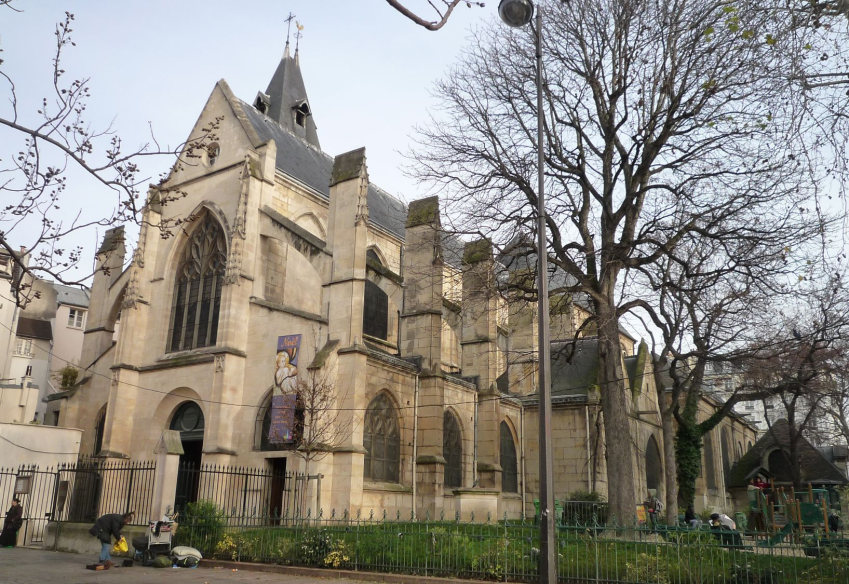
372,255
213,151
375,311
382,441
197,294
452,450
509,467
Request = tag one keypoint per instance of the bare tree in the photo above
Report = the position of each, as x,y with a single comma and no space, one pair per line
662,121
442,9
802,373
41,209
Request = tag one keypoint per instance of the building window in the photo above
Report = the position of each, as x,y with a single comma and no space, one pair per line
654,465
76,317
452,450
213,151
24,348
301,113
375,311
725,447
29,371
372,255
710,467
382,441
99,428
197,294
509,468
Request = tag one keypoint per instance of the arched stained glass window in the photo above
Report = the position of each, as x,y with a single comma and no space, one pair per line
654,465
375,311
382,441
452,450
197,294
725,446
710,466
509,467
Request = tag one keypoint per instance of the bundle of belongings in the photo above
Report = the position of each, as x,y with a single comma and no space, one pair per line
182,556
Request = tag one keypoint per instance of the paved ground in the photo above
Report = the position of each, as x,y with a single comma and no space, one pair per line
27,566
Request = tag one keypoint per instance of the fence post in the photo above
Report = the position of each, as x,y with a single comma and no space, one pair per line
168,452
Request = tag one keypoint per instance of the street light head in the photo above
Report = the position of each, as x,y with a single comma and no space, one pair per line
516,13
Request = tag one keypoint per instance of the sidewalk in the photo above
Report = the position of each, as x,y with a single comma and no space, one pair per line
29,566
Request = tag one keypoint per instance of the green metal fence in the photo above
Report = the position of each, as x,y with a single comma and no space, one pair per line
508,550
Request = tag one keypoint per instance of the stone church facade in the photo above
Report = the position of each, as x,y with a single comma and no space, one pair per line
434,374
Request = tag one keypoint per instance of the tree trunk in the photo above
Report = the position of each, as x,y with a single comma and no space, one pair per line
617,420
669,466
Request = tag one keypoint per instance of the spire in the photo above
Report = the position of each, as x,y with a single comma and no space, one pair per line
285,101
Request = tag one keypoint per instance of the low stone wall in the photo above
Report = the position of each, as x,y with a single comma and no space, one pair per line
75,538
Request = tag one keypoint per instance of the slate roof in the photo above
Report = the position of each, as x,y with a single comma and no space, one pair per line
574,376
72,296
31,328
311,166
285,91
815,468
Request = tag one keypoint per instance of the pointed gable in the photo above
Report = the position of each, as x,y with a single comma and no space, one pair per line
285,100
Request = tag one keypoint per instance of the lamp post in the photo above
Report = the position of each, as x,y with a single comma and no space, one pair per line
518,13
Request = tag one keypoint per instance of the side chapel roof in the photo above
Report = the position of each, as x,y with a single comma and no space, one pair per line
815,468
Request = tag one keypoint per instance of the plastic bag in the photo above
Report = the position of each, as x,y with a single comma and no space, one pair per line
120,546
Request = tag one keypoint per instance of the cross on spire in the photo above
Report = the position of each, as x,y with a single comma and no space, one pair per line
288,22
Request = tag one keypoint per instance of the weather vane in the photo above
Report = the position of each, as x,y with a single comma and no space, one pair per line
288,21
298,34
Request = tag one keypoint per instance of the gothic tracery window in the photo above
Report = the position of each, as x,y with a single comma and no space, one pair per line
197,294
452,450
382,441
509,467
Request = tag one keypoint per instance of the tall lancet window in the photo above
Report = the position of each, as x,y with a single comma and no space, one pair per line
197,294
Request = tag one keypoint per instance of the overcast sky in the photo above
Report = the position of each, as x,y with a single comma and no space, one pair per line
368,70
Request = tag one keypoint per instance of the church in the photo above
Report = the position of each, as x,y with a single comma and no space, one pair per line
291,265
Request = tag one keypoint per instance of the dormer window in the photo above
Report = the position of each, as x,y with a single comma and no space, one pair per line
262,103
301,113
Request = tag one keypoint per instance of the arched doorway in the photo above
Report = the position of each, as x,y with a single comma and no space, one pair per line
189,422
654,466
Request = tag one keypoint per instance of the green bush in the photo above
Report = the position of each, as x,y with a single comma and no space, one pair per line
201,526
316,544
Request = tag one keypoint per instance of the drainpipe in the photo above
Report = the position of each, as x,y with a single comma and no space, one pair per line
522,449
475,449
589,455
415,438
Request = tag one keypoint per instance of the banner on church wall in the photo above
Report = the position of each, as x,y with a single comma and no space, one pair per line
284,398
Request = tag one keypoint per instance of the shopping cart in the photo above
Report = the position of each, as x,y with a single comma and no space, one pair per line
157,542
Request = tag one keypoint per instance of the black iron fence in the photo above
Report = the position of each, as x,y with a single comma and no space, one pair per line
78,492
92,487
245,492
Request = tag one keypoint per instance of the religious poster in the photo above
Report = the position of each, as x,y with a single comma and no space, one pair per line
284,397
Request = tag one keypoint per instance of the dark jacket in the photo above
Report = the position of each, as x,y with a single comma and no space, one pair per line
107,527
13,518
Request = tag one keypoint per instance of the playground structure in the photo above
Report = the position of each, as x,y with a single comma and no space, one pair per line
781,512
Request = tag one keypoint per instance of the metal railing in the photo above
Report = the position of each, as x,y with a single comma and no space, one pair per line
244,492
91,487
509,550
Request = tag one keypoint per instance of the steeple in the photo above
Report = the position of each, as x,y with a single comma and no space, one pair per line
285,101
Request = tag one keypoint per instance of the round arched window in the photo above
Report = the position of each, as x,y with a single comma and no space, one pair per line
188,420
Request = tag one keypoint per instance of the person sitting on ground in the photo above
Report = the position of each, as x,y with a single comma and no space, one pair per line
107,527
13,522
691,519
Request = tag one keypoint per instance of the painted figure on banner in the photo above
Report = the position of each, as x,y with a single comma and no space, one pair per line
284,399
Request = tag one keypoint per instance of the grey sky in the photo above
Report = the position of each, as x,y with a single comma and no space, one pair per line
368,70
